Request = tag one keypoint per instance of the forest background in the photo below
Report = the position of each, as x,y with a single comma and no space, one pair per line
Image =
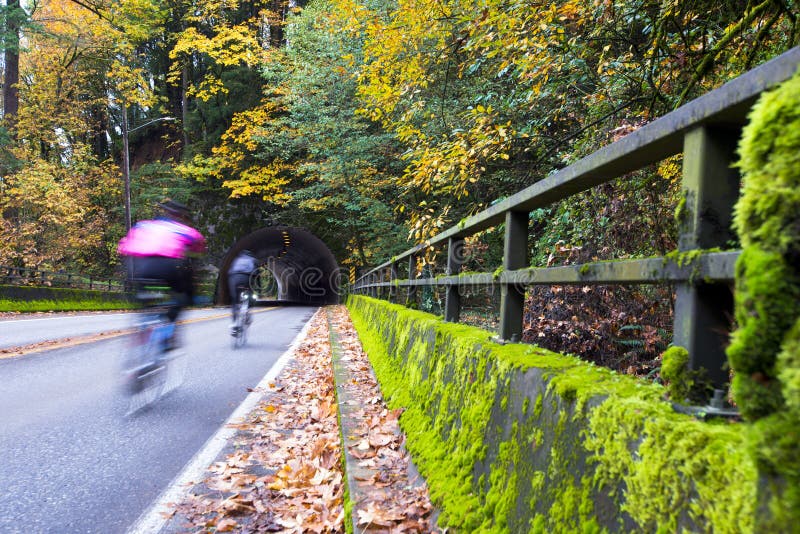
374,124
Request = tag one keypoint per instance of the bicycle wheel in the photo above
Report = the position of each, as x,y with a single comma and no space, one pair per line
146,367
245,318
242,315
238,333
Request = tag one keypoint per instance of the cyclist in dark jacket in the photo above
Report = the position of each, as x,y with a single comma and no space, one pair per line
238,280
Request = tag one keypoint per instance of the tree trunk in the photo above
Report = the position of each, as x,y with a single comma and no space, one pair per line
276,23
11,60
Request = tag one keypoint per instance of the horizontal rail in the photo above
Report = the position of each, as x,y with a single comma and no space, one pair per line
711,266
726,106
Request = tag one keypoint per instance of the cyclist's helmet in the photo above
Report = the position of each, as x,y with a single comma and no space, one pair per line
175,209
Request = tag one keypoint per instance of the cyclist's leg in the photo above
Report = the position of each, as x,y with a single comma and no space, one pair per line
236,283
234,296
183,285
171,271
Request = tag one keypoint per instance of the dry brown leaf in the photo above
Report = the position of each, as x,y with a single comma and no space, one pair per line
227,525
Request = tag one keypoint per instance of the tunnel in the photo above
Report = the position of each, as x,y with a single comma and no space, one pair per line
302,267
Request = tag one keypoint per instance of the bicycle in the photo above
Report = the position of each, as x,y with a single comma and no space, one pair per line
150,368
242,321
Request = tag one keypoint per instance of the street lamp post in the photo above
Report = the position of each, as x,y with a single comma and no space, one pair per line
126,165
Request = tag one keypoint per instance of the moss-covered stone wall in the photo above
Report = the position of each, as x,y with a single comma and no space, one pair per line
764,352
514,438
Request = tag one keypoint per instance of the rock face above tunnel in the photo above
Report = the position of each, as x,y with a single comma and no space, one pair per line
304,268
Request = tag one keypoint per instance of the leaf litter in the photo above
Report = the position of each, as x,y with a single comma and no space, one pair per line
283,471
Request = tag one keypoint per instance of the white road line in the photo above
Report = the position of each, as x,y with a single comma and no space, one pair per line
151,520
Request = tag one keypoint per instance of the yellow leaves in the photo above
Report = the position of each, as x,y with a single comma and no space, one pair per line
395,52
230,46
132,84
266,181
50,213
450,166
671,169
209,87
200,168
140,19
231,161
209,10
315,204
426,224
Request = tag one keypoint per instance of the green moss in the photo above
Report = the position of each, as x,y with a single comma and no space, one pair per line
36,299
765,349
497,272
537,409
492,465
774,441
62,305
348,508
788,368
768,282
680,210
687,257
675,373
664,461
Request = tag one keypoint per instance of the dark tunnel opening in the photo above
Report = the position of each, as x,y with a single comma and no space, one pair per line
303,268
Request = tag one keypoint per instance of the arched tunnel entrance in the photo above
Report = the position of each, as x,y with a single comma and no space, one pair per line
303,268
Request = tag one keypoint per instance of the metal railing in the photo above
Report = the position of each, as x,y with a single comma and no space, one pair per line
706,131
37,277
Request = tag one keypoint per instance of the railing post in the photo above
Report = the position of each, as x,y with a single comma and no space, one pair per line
452,299
411,295
392,278
711,186
515,256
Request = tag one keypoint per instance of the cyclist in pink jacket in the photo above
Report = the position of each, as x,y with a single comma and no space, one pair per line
162,249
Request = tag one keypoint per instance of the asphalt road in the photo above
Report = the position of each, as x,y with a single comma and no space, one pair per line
25,331
71,461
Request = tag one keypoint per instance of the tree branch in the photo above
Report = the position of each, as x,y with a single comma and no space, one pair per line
708,61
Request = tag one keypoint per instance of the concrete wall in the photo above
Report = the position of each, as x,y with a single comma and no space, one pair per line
515,438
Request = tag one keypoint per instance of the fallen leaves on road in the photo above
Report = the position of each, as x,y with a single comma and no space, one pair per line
284,472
